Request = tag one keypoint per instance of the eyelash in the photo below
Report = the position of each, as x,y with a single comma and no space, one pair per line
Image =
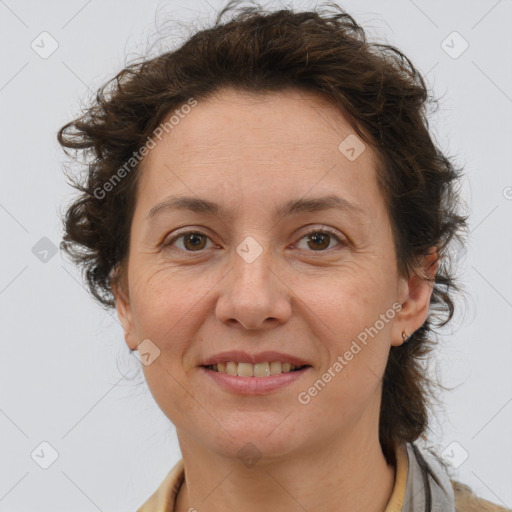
312,231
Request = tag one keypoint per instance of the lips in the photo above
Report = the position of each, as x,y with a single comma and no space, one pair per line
241,356
254,385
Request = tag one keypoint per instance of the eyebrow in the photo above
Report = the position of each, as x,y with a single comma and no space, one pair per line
294,206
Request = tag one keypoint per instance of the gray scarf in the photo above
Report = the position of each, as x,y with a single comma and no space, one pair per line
415,491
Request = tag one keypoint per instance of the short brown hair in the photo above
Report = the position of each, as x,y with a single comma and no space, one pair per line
375,86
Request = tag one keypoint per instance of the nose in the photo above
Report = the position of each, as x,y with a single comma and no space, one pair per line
253,295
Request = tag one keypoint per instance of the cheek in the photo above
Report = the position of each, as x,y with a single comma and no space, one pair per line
349,300
353,319
165,302
169,389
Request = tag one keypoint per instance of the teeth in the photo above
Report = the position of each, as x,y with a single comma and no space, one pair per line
231,368
275,368
265,369
261,370
245,370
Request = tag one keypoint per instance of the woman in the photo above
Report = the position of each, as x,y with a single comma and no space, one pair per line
270,217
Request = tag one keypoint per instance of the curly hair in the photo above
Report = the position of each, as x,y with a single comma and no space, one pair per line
375,86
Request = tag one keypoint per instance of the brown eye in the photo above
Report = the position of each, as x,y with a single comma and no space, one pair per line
319,240
193,241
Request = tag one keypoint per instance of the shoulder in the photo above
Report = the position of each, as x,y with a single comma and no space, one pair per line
467,501
448,494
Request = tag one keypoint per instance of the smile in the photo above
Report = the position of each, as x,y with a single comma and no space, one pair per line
263,369
252,384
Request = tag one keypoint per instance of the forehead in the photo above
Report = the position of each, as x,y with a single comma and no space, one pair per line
291,120
286,140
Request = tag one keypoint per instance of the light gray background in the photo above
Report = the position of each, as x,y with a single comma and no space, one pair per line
63,358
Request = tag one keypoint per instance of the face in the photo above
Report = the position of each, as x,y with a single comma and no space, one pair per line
308,283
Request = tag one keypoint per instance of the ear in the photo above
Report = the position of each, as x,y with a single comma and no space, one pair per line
124,311
414,297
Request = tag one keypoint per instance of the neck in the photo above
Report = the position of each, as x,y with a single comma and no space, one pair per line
352,475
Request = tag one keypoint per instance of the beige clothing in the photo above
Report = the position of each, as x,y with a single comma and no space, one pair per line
407,495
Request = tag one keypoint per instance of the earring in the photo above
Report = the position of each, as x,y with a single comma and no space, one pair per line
405,336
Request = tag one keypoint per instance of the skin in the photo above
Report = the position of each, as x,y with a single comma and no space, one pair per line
309,298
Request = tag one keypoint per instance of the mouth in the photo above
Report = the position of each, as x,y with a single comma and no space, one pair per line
254,379
258,370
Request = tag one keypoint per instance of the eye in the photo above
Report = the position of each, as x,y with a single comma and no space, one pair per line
317,239
193,241
320,239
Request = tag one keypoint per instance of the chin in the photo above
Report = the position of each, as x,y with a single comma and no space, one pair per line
260,435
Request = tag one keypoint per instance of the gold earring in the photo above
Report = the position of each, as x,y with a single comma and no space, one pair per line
405,336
